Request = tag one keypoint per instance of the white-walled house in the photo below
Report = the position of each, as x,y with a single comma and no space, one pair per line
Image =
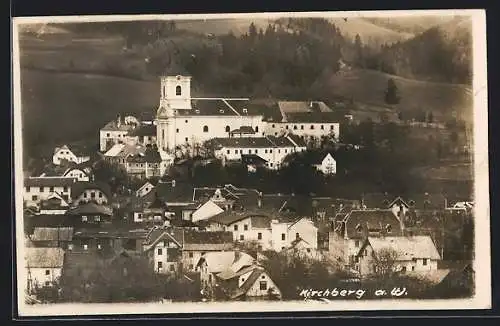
115,132
270,149
164,249
43,266
144,189
79,173
84,192
266,231
37,189
237,274
328,165
70,154
205,211
409,254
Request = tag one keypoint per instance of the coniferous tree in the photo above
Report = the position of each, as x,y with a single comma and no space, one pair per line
392,93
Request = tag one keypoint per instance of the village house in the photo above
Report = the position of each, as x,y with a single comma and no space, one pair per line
145,164
142,135
109,239
66,169
71,153
43,267
425,201
163,246
269,230
144,189
119,153
270,149
197,243
84,192
90,214
305,119
402,253
53,205
37,189
52,237
352,229
115,132
236,274
328,165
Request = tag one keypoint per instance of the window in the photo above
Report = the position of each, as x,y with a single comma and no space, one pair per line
107,134
279,151
308,250
205,128
249,151
51,189
403,269
236,227
312,127
228,151
84,218
424,262
190,255
265,151
235,151
41,189
160,252
34,197
186,139
286,151
242,237
100,194
97,218
245,227
85,246
273,125
263,285
322,127
210,277
271,164
99,246
331,127
177,130
228,129
259,236
186,121
297,236
413,268
388,228
295,127
160,265
283,236
92,194
302,127
191,266
47,283
172,267
178,90
47,272
256,128
286,127
356,243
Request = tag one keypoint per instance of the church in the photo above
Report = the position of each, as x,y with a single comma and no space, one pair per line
183,120
184,123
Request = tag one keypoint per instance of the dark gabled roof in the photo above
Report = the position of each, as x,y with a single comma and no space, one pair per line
48,220
151,155
244,108
90,209
252,159
271,112
374,220
52,234
207,237
314,117
49,182
79,150
143,130
157,234
112,231
217,107
182,192
113,126
205,193
253,142
249,282
79,187
416,201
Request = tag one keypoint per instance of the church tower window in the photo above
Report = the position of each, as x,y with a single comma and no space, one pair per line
228,129
178,90
205,128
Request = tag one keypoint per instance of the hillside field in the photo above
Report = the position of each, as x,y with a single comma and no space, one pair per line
367,86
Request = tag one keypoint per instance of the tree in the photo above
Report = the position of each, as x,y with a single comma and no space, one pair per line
385,262
110,173
430,117
392,93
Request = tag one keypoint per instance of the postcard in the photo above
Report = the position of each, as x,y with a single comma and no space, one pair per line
264,162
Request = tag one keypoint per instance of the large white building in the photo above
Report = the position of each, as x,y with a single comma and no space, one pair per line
183,120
